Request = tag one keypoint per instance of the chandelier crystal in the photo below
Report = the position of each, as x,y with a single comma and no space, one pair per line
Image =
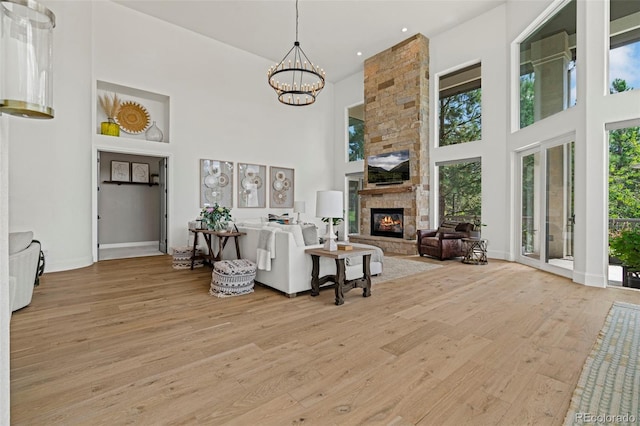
296,80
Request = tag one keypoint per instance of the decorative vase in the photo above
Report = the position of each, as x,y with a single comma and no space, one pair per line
153,133
217,226
109,128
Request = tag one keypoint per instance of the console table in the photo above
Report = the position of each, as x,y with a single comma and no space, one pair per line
341,285
476,253
223,238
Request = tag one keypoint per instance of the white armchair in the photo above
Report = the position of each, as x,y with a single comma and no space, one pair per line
24,256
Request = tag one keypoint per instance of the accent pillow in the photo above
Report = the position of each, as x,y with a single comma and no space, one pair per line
282,219
310,234
295,230
19,241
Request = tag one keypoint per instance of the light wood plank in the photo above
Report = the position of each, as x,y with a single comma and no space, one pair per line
135,341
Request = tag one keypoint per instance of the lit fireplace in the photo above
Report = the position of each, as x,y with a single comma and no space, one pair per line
387,222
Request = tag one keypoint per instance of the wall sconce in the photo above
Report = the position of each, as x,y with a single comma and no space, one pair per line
26,69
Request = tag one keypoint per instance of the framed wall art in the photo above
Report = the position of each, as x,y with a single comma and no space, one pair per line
252,185
140,172
281,182
120,171
216,183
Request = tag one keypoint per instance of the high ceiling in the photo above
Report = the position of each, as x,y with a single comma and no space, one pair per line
331,32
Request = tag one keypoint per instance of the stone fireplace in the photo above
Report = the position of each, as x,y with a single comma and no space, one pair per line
396,108
387,222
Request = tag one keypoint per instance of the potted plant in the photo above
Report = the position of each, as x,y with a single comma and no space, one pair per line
625,245
216,217
476,232
110,107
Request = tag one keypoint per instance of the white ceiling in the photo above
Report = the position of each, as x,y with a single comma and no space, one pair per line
331,32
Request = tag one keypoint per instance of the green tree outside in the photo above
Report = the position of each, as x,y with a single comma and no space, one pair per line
624,163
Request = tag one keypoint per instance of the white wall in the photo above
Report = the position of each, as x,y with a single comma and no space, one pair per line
5,308
221,108
50,160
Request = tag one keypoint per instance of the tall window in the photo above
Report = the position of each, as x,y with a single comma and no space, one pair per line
624,175
355,185
460,115
460,191
356,133
624,45
548,67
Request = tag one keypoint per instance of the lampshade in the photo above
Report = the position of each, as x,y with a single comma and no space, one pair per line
26,70
299,206
329,204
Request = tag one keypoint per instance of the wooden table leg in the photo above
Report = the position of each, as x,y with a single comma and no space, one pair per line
366,274
315,272
235,239
195,244
207,238
340,278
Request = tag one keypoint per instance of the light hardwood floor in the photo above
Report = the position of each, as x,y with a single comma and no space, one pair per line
134,341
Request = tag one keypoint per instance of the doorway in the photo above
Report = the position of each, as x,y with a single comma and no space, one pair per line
131,205
547,215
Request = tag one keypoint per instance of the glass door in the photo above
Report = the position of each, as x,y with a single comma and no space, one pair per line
547,206
530,195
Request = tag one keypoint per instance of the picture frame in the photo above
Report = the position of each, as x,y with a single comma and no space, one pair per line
120,171
252,185
140,172
216,183
281,187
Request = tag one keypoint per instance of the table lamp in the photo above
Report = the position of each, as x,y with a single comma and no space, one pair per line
329,204
299,207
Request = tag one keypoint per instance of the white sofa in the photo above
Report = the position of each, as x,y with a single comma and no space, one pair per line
291,267
24,255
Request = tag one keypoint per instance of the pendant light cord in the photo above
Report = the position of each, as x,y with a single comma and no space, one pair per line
296,20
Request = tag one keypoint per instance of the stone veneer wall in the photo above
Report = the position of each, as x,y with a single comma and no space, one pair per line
396,92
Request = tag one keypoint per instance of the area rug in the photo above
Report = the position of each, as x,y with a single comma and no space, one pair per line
608,391
397,267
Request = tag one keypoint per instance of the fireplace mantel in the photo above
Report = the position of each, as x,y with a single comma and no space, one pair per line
387,190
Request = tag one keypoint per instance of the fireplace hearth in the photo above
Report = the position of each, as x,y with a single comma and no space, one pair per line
387,222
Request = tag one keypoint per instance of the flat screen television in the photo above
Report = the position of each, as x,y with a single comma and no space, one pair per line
388,168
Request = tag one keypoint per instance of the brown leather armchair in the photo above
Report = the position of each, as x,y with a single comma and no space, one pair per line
444,242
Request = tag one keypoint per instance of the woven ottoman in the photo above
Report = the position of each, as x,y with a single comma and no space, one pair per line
232,278
182,258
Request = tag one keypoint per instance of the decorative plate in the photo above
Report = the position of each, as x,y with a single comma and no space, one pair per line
213,195
278,185
258,181
132,117
211,181
280,175
279,197
223,179
286,184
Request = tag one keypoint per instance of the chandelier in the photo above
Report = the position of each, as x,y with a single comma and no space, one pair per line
296,80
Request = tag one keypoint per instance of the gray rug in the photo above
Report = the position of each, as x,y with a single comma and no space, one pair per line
608,391
396,267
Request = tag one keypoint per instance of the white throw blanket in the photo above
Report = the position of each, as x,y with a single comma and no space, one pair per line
377,256
266,248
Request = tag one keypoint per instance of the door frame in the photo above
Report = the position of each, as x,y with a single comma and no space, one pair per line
541,148
95,184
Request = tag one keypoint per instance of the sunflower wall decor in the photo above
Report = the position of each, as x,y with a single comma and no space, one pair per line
252,185
282,187
216,183
132,117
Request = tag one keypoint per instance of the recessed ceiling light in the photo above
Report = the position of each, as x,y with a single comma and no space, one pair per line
359,53
405,29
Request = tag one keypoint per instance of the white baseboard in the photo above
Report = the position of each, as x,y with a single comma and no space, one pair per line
133,244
